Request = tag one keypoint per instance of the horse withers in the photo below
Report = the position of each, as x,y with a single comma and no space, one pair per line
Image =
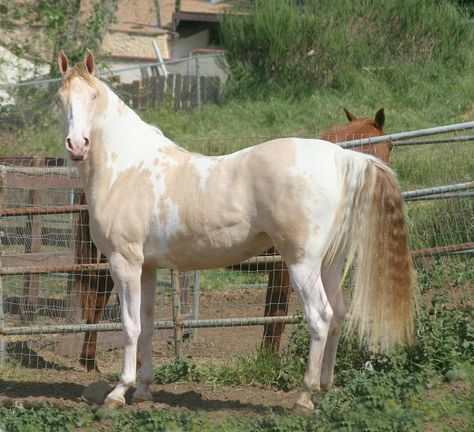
154,204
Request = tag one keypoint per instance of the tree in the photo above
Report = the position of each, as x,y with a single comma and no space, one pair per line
71,25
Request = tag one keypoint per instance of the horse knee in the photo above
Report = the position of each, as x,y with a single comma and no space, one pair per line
131,333
122,269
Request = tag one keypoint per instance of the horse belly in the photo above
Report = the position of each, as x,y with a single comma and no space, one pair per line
203,252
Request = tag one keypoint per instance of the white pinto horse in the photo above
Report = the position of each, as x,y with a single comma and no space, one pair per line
153,204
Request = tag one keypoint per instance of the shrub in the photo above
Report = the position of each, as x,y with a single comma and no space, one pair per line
326,43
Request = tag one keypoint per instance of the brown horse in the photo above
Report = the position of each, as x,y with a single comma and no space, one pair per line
279,289
359,128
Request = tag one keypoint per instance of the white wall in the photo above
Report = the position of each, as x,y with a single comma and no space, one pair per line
182,46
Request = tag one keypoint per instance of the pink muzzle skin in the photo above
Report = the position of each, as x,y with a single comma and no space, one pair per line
78,147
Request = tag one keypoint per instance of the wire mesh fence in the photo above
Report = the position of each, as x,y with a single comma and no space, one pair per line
55,290
52,278
179,84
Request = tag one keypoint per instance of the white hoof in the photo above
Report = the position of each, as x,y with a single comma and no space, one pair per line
142,396
114,402
304,403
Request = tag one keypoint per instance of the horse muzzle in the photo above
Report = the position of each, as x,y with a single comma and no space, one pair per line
77,148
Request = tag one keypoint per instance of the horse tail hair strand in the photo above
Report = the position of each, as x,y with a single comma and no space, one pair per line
370,229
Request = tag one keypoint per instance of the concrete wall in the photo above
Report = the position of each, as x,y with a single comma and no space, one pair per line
182,46
135,45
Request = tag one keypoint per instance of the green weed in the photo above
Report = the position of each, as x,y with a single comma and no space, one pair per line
300,45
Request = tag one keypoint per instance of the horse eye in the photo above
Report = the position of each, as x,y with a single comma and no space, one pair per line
94,96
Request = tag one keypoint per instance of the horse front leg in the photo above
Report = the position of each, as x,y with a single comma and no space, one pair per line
331,278
126,275
148,281
276,304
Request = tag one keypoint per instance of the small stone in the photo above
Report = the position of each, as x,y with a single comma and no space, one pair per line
96,392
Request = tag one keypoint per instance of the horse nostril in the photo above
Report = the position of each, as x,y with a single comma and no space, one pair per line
86,142
69,143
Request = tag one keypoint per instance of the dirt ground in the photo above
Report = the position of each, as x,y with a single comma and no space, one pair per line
64,389
50,371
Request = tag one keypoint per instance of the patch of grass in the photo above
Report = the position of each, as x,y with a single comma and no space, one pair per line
440,222
433,164
299,45
17,417
374,391
222,279
448,405
369,401
432,275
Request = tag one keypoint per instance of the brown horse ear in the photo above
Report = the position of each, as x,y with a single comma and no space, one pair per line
89,61
380,119
350,116
63,62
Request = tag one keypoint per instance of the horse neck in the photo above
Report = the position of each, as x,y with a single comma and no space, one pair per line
117,132
120,139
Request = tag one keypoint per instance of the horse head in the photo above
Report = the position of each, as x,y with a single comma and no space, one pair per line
78,99
359,128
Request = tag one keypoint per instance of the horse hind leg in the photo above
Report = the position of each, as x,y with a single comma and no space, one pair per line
331,277
306,281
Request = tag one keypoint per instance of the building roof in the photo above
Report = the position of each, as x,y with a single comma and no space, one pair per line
141,16
198,8
137,21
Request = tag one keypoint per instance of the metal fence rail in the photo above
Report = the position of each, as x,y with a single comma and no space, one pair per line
39,210
410,134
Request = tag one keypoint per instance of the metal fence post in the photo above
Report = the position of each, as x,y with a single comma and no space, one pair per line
198,76
196,294
177,317
2,316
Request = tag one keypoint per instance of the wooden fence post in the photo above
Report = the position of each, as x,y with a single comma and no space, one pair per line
29,297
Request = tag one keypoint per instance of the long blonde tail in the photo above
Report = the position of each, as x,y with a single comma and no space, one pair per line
370,230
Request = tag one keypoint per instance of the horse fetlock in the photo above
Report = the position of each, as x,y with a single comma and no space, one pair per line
127,381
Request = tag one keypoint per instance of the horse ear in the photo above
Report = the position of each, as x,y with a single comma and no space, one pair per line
89,61
380,119
350,116
63,62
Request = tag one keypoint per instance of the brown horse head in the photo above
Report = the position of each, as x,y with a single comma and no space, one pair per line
359,128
